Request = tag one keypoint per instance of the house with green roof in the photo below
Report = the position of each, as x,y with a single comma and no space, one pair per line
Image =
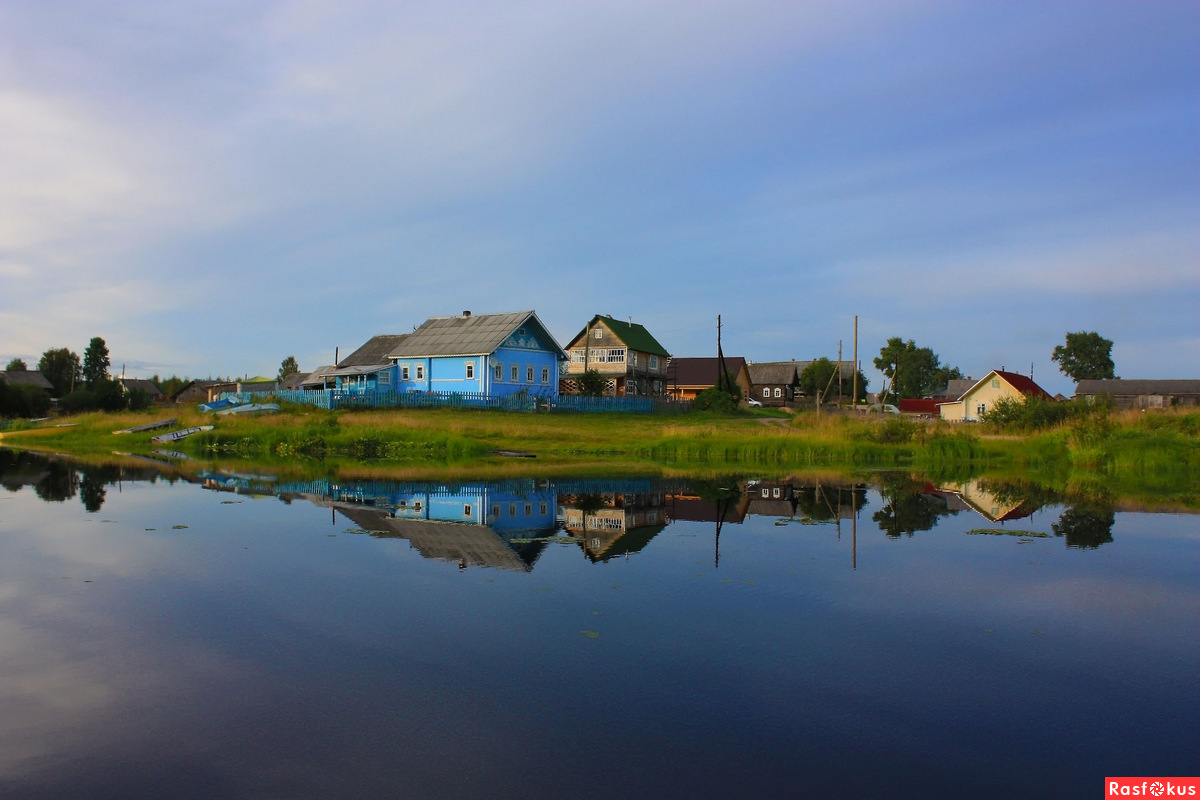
631,360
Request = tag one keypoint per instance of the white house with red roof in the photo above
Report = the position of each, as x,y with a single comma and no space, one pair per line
996,385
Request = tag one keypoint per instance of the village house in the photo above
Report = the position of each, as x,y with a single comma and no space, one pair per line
492,355
631,361
1141,394
984,394
687,377
775,384
143,385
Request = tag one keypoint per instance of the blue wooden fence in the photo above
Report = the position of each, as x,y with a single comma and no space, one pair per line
332,398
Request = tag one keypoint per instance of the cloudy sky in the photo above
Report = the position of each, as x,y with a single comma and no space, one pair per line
214,186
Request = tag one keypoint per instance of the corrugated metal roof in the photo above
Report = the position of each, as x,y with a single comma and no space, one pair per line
782,372
474,335
375,350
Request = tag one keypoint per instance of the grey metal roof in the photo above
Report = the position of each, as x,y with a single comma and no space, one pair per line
31,377
1138,387
473,335
318,375
783,372
141,384
374,351
360,369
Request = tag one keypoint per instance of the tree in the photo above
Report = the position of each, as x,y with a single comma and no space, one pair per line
591,383
822,376
62,368
95,362
912,371
1086,355
288,367
17,365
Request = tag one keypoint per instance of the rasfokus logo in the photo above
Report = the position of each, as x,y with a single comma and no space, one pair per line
1152,787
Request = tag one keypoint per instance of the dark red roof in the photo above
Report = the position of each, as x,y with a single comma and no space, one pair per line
1024,385
700,371
922,406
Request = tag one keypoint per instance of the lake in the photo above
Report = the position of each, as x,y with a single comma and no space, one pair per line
236,635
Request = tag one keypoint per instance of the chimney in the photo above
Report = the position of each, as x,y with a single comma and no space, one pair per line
466,313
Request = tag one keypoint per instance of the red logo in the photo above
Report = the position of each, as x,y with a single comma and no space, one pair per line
1152,787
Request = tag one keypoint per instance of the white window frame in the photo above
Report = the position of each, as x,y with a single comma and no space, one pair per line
420,372
498,372
654,363
545,375
598,333
514,373
778,392
766,393
404,372
470,370
529,373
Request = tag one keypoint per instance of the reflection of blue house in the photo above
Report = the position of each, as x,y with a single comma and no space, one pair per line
485,354
502,511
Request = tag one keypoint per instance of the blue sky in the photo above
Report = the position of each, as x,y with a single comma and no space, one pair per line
214,186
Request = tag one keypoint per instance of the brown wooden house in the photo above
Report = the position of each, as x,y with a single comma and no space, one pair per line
687,377
631,361
772,383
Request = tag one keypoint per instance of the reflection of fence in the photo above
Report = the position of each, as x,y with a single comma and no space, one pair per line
520,401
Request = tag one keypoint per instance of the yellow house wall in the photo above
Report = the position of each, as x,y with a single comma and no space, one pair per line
990,390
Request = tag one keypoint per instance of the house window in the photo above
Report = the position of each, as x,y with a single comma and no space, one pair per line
778,392
653,363
766,392
633,358
542,509
470,370
498,372
520,331
598,333
495,509
512,509
466,509
981,409
529,509
766,492
514,373
995,383
385,378
545,374
404,372
775,492
420,372
577,356
529,374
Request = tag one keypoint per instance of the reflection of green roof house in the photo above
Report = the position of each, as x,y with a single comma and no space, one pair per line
624,353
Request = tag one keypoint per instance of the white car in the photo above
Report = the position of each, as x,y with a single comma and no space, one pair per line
754,403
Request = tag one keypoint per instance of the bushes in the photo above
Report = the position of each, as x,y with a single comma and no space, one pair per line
23,400
1032,414
714,399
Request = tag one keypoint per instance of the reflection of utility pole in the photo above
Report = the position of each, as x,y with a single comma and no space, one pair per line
853,527
722,507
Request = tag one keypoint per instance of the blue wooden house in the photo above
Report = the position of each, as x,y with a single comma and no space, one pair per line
490,355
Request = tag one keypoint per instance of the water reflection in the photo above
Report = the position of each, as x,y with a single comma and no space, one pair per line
507,524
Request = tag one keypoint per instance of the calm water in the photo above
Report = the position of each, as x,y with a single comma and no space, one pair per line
240,636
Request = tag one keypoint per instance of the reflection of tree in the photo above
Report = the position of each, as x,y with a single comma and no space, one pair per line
59,484
822,503
909,510
1085,526
91,487
92,493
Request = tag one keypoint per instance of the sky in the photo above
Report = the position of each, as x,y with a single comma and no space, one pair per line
212,187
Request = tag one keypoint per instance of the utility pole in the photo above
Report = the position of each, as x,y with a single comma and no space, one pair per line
722,378
839,372
854,397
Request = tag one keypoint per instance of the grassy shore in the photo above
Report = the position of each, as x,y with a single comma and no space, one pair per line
1106,445
1154,457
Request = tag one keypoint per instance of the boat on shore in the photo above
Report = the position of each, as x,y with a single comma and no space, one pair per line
183,433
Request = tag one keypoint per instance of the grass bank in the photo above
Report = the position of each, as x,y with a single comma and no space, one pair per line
1132,447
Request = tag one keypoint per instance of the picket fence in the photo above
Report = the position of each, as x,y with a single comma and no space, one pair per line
332,398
